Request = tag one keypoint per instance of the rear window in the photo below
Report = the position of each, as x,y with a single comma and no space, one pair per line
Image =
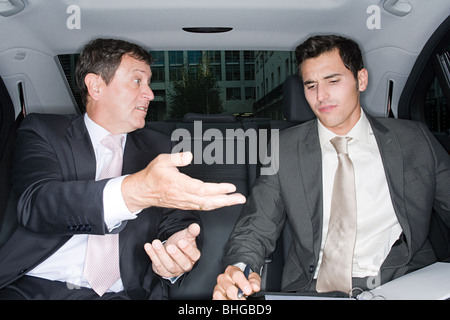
242,83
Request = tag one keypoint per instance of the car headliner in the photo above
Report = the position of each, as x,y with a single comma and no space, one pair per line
33,37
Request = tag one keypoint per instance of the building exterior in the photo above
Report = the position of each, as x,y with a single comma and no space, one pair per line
272,68
234,72
250,82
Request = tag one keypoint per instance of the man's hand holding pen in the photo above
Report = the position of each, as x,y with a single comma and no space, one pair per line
232,280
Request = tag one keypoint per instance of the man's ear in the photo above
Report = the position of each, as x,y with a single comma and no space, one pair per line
363,79
93,83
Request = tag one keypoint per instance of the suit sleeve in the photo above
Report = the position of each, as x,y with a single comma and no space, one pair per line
441,204
260,223
174,220
51,200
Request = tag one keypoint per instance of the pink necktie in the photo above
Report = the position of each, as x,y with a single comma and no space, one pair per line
335,273
101,267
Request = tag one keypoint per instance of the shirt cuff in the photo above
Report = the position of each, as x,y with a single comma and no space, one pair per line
114,207
173,279
240,265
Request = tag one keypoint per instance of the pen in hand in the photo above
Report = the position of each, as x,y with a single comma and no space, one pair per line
246,274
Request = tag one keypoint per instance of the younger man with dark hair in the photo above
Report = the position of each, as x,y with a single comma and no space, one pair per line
399,174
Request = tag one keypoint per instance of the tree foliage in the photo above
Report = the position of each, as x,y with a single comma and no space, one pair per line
197,92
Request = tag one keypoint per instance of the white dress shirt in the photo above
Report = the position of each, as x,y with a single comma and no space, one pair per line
67,263
377,224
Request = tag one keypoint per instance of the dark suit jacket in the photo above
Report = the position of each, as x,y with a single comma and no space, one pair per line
54,174
417,169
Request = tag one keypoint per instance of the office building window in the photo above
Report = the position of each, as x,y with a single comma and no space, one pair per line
233,93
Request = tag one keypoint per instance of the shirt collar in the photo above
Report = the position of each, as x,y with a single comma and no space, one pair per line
96,132
360,131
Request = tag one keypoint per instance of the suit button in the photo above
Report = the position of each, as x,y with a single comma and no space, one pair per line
88,228
311,269
70,228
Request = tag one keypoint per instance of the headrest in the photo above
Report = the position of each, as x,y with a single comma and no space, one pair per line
295,106
191,117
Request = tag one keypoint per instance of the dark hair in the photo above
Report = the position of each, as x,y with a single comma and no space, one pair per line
103,57
317,45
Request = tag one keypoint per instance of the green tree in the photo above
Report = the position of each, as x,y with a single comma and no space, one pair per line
197,92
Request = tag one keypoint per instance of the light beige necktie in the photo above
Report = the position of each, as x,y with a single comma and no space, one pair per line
335,273
101,267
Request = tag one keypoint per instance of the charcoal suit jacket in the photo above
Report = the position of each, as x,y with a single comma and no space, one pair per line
54,178
417,170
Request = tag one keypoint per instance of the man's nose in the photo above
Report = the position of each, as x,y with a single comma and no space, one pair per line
322,93
147,92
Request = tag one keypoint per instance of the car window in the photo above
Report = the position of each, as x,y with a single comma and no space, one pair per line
427,91
242,83
437,113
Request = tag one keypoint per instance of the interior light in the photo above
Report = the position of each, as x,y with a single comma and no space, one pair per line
207,29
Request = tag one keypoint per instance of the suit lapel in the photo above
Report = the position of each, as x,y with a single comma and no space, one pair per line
136,157
85,162
140,148
82,150
129,167
391,155
310,169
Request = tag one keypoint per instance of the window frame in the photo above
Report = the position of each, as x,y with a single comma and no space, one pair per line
412,101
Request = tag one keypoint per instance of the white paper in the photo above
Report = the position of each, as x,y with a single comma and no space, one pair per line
429,283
